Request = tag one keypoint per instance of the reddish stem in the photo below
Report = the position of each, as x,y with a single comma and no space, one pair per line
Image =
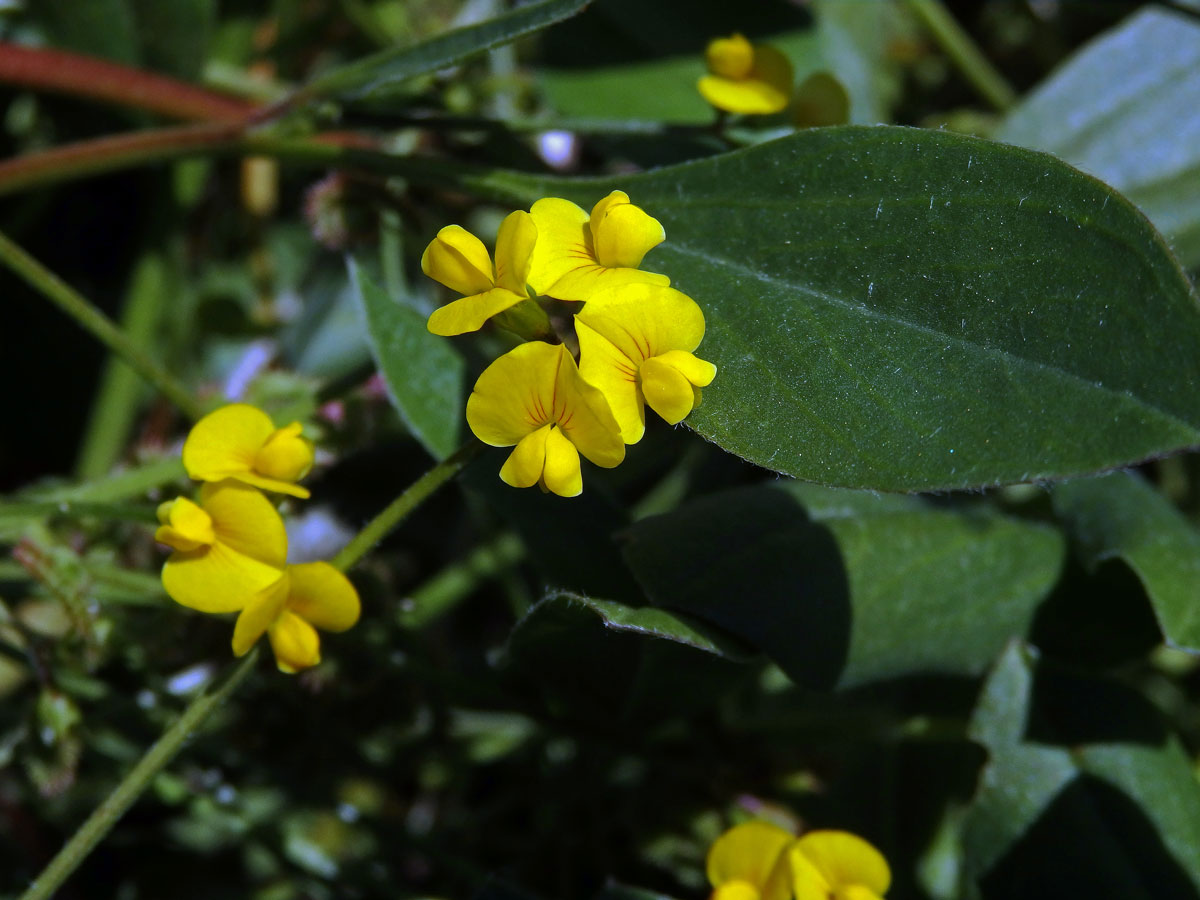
86,76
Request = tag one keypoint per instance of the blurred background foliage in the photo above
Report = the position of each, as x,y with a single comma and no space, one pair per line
550,698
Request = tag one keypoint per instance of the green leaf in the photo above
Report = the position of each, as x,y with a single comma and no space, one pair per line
905,310
585,655
1084,794
842,590
1123,108
1122,517
423,373
175,36
385,70
104,28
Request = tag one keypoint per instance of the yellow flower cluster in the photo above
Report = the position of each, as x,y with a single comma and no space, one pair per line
230,549
745,78
760,861
635,336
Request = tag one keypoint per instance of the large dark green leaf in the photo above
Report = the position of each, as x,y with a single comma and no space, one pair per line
911,310
423,372
390,68
586,655
1124,109
1085,793
1122,517
841,588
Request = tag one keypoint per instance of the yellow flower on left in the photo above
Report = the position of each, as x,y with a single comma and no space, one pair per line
745,78
750,862
227,548
458,259
239,441
837,864
305,597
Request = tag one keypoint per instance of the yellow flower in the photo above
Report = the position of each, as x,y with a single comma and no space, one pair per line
458,259
837,864
745,78
750,862
240,442
577,255
227,548
635,345
534,397
290,609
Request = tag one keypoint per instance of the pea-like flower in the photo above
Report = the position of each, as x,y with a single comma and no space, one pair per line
303,598
227,548
750,862
577,255
635,345
745,78
239,441
460,261
837,864
533,397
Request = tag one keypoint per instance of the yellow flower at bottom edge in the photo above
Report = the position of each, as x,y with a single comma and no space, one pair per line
533,397
458,259
227,548
837,864
635,345
745,78
750,862
239,441
304,598
577,254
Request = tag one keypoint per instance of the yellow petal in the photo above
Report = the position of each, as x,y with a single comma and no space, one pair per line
185,525
259,613
216,579
666,391
735,890
285,456
515,395
826,861
514,251
774,70
752,852
624,235
295,643
586,419
323,596
458,259
645,320
563,241
561,473
699,372
245,521
605,367
226,442
584,281
469,313
731,57
524,465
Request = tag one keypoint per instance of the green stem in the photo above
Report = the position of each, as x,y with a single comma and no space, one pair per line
965,54
97,323
396,511
105,816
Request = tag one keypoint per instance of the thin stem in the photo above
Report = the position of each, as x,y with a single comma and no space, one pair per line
396,511
97,323
965,54
105,816
85,76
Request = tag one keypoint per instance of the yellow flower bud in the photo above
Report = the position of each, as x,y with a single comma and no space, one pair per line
185,526
286,456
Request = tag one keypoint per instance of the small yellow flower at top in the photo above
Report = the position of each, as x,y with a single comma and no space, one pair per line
305,597
535,398
460,261
745,78
227,548
635,345
577,254
750,862
239,441
837,864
